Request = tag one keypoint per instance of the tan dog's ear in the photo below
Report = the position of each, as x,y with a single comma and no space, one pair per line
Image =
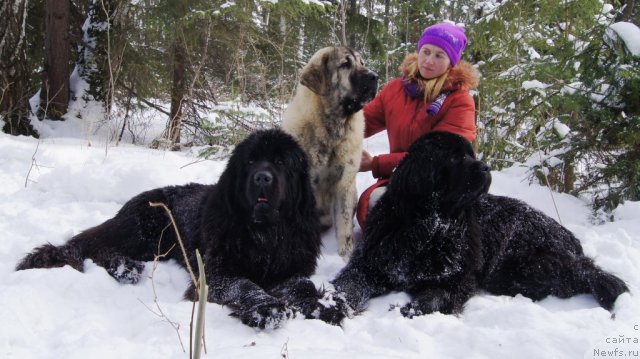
314,75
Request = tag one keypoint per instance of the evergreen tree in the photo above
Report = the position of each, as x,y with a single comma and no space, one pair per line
606,143
542,100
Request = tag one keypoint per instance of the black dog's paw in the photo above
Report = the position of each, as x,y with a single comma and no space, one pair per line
264,315
301,296
435,300
125,270
332,315
332,309
306,306
409,311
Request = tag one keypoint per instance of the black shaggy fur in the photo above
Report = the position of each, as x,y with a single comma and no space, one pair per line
437,235
256,228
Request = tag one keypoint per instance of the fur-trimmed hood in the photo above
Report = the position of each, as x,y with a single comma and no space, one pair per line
462,76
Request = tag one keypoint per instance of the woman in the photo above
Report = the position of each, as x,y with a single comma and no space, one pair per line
432,95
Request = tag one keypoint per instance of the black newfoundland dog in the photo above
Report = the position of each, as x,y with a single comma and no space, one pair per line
257,229
439,236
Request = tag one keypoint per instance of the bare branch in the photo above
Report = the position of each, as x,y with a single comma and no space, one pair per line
160,313
144,101
180,242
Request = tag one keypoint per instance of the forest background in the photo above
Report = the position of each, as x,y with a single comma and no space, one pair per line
560,86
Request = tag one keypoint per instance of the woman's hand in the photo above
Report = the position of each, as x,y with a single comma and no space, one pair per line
366,162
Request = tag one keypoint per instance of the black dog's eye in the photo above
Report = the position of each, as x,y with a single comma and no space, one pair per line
279,162
250,162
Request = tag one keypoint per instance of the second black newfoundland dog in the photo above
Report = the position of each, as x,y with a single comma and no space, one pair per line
439,236
256,228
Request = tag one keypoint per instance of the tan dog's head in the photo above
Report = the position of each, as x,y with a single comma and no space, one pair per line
339,75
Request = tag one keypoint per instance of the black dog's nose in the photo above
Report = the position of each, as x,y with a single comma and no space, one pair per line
485,167
373,76
262,178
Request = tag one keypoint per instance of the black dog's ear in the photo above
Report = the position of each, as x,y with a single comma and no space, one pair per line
302,196
414,176
230,183
314,75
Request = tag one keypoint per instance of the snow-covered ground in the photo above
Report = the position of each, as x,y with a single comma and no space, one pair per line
53,188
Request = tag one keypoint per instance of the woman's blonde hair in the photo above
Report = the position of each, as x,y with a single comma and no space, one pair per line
432,87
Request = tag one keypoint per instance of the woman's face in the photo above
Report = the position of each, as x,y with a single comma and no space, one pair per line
432,61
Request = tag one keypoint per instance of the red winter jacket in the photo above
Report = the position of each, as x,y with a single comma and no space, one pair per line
406,119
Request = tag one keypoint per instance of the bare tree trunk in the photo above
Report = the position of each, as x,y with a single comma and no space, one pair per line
343,22
353,12
55,84
387,20
14,74
177,93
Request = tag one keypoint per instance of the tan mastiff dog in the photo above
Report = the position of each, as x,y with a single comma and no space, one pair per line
326,118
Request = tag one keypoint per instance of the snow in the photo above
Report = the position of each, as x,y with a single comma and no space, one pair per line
75,180
629,33
561,129
534,84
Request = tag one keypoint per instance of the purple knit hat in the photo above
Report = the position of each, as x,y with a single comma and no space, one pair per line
448,37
